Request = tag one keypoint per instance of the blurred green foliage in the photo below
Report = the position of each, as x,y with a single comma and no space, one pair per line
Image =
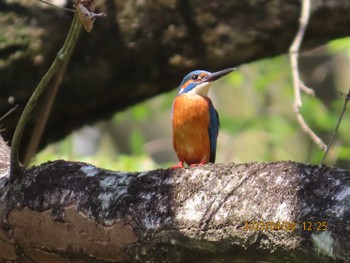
257,121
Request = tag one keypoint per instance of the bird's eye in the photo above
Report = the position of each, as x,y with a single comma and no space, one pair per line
194,76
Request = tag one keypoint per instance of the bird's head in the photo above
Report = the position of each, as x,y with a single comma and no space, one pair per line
198,81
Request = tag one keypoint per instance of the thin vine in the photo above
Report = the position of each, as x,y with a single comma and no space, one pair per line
63,55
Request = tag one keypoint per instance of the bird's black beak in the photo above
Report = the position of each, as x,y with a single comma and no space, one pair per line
216,75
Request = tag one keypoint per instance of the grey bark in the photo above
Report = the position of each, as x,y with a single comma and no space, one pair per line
144,48
75,212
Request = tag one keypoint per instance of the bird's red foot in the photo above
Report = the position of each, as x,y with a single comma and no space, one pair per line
197,164
179,165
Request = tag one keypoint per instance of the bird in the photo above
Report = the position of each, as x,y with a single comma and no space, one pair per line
195,121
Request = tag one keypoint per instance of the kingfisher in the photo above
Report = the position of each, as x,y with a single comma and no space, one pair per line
195,121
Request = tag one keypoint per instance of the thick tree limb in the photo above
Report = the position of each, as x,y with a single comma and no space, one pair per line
144,48
64,212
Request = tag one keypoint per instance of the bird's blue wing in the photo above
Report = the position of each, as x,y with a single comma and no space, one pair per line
213,130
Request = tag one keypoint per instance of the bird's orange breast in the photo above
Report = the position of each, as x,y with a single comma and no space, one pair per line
190,128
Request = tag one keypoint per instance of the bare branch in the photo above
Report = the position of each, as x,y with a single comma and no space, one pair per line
306,89
298,85
346,101
307,129
294,49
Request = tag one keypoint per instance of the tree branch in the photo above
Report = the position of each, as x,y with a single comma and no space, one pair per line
145,49
329,145
297,84
274,212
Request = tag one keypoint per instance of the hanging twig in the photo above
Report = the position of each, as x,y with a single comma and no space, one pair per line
346,101
293,52
62,55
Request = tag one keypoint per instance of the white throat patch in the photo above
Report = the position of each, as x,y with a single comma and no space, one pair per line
201,89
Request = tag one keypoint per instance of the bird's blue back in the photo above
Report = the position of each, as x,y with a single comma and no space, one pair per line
213,130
